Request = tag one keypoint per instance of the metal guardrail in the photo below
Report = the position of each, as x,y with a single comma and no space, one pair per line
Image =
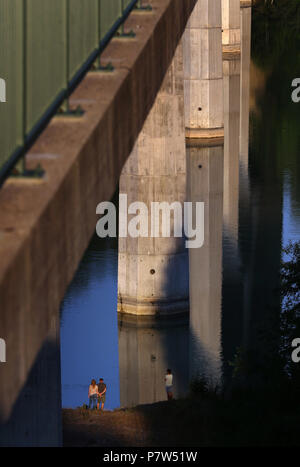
46,49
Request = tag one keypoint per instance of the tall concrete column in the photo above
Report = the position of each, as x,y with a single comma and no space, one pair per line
205,184
147,348
203,77
231,34
153,272
246,13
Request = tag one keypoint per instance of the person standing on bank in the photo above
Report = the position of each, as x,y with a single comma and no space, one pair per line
169,384
101,393
93,391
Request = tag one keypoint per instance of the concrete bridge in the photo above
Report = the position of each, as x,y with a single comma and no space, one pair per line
176,82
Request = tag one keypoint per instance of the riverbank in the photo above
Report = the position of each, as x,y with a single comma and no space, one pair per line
186,422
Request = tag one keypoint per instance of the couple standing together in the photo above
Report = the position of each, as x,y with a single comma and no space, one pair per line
97,394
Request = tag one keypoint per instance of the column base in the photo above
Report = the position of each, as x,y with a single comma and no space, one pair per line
246,3
231,51
152,307
206,135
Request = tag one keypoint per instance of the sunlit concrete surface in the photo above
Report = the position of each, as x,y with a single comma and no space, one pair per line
203,74
246,13
231,33
153,272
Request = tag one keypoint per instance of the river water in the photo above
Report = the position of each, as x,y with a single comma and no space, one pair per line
262,215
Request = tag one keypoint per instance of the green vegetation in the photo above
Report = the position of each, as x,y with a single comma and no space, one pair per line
275,46
276,30
275,368
260,406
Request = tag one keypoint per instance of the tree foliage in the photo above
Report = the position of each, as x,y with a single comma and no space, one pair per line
290,314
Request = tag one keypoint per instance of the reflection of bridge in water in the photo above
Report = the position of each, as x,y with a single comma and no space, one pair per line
234,275
212,176
147,348
190,93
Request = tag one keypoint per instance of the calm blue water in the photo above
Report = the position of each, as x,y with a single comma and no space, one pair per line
291,211
89,325
89,328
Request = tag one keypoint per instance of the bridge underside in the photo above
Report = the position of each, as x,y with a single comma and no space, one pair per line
45,226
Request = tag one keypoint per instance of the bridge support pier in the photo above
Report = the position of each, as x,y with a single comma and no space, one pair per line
203,78
231,33
231,145
153,272
246,13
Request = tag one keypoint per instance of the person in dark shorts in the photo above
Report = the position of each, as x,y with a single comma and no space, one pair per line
101,394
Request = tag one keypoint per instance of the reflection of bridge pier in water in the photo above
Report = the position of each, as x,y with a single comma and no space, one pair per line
204,123
231,69
232,286
232,314
147,347
205,184
244,191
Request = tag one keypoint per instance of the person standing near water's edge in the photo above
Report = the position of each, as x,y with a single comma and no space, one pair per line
101,393
169,384
93,391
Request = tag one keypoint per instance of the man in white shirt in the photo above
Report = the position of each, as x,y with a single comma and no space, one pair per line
169,384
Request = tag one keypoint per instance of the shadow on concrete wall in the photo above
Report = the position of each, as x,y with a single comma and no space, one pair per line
36,418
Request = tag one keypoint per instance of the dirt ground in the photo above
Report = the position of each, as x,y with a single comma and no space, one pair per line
192,422
148,425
